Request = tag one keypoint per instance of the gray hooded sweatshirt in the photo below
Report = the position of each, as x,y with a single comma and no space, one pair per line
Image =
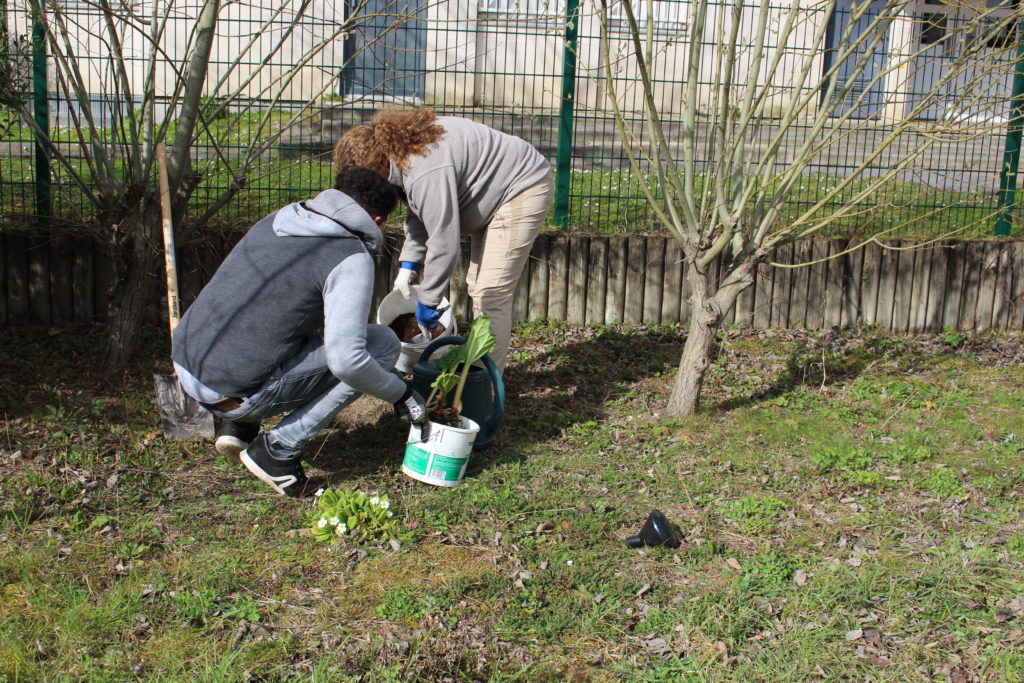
455,189
304,268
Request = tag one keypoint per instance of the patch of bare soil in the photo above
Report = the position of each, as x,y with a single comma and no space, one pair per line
365,410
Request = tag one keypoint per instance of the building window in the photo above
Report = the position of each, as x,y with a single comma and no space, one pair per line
933,28
669,15
524,8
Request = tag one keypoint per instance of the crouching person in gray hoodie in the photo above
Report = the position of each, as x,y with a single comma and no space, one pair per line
281,328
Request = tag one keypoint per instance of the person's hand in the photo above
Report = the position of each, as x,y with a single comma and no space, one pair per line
428,316
406,274
412,408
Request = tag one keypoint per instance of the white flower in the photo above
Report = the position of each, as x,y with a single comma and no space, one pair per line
385,504
374,500
321,523
342,529
390,513
319,492
334,521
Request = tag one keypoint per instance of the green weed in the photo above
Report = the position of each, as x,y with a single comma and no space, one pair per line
954,338
1015,548
403,605
754,513
941,482
766,573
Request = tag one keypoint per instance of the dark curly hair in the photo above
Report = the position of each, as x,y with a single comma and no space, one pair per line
369,189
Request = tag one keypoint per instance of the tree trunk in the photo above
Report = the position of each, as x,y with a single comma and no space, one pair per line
693,365
133,291
705,319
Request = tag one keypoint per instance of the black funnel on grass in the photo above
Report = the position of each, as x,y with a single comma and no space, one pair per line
657,530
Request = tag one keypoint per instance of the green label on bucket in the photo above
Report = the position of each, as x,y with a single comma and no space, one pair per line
416,459
447,469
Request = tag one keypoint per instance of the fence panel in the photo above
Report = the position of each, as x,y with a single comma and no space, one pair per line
904,264
974,266
654,279
835,281
615,294
558,276
987,286
539,278
16,259
1016,317
672,287
501,62
597,272
853,263
969,286
1004,287
579,252
61,277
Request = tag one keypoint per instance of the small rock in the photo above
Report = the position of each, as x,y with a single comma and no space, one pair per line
658,646
1003,615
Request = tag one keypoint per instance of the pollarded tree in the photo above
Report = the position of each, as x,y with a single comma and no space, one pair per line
226,78
766,93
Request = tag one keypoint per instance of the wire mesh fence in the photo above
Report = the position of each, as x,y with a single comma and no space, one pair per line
286,79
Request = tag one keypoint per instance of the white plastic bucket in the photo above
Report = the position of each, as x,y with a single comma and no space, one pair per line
394,305
440,460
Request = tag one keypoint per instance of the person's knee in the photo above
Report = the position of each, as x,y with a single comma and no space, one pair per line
383,344
493,300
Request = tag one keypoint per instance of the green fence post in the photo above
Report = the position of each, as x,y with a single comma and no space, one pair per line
41,113
563,168
1011,150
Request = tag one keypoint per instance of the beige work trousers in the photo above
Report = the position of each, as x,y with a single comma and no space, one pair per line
498,256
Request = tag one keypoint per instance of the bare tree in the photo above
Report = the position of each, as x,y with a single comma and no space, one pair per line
134,75
805,85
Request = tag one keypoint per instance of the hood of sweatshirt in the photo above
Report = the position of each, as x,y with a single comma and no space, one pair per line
330,214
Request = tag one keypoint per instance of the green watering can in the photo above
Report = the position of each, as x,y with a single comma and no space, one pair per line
483,397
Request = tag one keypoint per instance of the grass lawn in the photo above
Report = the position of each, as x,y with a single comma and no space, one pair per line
850,505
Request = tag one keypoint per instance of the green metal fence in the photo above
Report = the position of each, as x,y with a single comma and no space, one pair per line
533,68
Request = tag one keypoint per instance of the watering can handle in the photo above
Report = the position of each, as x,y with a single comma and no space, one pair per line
492,370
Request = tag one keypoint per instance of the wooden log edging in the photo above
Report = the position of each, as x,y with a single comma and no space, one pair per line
599,279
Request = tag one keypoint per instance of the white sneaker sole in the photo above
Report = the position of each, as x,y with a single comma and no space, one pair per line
230,447
276,483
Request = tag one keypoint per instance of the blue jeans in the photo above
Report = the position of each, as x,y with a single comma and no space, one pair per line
311,395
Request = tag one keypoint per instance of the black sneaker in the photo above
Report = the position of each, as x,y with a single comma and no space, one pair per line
235,437
284,476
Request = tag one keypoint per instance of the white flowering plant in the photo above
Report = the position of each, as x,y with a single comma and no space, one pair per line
353,516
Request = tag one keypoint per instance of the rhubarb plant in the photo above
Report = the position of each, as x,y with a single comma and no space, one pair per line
455,365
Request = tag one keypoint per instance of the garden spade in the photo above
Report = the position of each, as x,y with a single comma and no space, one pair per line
181,415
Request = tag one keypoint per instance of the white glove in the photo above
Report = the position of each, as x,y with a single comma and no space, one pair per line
403,280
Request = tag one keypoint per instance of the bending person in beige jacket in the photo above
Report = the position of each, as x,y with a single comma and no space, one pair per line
457,177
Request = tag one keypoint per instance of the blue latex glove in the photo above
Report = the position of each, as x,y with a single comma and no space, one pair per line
428,316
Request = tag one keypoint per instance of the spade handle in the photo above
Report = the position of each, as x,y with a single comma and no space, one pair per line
170,261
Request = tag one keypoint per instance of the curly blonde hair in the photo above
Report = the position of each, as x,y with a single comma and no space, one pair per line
396,134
